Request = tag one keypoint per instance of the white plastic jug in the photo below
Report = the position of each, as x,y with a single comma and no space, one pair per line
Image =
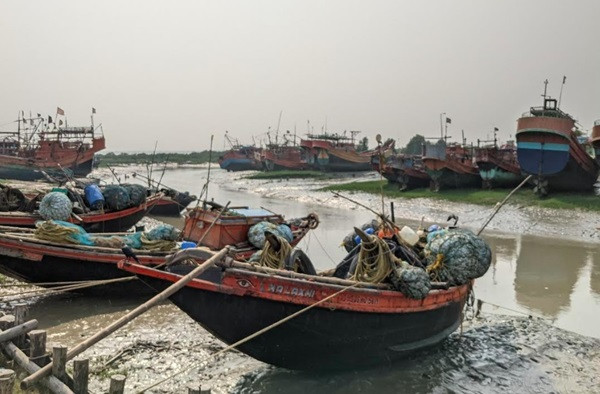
409,236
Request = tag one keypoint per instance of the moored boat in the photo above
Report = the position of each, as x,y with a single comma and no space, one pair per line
365,325
498,166
549,149
36,147
595,140
450,166
283,157
241,158
172,203
94,222
407,171
334,152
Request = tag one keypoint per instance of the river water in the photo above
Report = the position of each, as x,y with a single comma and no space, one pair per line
556,281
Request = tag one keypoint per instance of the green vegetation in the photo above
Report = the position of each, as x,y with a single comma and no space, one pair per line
115,159
524,197
290,174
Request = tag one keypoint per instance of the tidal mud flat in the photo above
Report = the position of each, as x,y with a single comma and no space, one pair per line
573,224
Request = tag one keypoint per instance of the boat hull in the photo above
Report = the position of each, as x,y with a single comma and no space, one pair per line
329,161
238,164
494,176
169,206
324,337
446,178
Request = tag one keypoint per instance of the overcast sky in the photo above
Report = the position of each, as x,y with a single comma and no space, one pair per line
179,71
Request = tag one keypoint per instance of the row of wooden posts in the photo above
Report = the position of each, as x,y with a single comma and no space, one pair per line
23,344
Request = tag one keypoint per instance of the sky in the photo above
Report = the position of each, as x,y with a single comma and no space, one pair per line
178,72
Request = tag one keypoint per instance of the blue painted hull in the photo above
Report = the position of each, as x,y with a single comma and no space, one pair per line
239,165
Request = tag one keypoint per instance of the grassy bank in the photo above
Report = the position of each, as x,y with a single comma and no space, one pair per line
113,159
290,175
525,196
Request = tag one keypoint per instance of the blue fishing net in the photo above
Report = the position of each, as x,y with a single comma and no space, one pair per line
163,232
256,234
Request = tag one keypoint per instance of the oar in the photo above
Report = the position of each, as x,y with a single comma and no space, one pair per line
81,347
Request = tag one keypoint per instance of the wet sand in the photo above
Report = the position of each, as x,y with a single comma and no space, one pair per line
555,279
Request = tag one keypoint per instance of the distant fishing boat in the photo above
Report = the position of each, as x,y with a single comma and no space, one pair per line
595,140
498,166
334,152
282,157
39,146
407,171
550,147
450,166
240,157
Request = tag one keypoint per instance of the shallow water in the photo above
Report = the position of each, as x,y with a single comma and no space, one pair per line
555,279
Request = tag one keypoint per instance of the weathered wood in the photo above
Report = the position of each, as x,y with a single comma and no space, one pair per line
20,311
81,369
7,381
16,331
81,347
59,362
6,322
117,384
55,385
37,347
205,390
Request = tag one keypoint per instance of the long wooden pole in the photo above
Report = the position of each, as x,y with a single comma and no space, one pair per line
81,347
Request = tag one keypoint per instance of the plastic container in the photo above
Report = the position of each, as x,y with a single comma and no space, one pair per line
94,196
188,245
409,236
369,231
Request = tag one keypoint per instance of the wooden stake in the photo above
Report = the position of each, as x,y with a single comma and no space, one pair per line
81,347
117,384
17,331
55,385
6,322
7,381
37,347
59,362
80,375
20,310
193,389
205,390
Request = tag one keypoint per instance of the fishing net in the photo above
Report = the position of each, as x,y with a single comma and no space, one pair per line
62,232
256,234
457,256
116,197
137,194
12,199
163,232
56,206
411,281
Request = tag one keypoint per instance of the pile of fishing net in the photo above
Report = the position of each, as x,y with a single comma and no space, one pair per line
56,206
12,199
119,197
161,238
256,233
457,256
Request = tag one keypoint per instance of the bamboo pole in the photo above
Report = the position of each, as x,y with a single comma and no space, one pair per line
81,347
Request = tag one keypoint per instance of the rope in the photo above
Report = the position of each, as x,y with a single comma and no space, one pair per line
375,261
434,269
275,259
249,337
54,232
62,289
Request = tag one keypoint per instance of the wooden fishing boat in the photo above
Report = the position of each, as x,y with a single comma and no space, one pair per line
595,140
281,157
93,222
365,325
218,228
29,152
549,149
407,171
450,166
334,152
172,203
241,158
498,166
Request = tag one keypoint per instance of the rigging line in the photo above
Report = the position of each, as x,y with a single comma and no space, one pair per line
324,250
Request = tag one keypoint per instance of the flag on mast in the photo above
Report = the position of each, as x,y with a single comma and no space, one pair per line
59,111
93,110
448,120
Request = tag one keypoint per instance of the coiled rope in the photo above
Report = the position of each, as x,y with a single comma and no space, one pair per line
275,259
375,261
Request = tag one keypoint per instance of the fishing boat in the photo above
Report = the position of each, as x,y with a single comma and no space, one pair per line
172,203
25,257
38,147
407,171
240,157
93,222
335,152
366,324
595,140
216,226
551,148
283,157
450,166
498,166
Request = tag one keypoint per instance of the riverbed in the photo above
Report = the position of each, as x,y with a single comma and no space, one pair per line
537,331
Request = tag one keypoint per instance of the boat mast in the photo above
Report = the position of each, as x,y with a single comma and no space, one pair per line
561,89
442,125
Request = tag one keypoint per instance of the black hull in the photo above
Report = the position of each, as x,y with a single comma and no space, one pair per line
83,169
26,173
572,178
56,269
115,225
174,208
405,181
319,338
